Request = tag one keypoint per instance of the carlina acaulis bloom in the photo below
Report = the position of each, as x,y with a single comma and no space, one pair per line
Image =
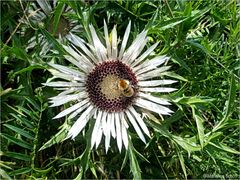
110,83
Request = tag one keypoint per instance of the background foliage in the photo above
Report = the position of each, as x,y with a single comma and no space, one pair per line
200,140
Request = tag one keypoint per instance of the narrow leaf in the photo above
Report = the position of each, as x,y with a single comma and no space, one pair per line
229,105
57,138
173,75
4,175
33,103
23,120
57,16
20,171
186,144
231,98
181,159
20,131
20,156
193,100
17,141
223,147
134,166
52,40
172,23
199,122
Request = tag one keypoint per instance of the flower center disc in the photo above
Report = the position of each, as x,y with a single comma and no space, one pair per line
102,86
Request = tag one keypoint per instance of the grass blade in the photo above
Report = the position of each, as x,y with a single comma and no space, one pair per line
223,147
228,110
19,142
20,171
182,163
134,166
200,128
57,138
19,156
4,175
57,16
20,131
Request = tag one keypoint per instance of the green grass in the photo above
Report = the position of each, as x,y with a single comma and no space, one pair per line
200,140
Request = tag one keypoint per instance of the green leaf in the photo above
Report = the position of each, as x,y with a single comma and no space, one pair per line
186,143
160,129
93,169
5,164
52,40
125,159
181,62
28,123
43,171
188,9
193,100
229,105
20,156
223,147
196,14
4,175
197,45
172,23
5,91
27,69
16,110
19,131
140,155
199,121
20,171
57,138
20,53
196,158
32,114
153,19
57,15
85,157
84,160
233,123
174,118
231,98
33,103
173,75
19,142
80,175
134,166
210,136
182,163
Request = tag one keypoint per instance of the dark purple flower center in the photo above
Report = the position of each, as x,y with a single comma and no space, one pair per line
103,90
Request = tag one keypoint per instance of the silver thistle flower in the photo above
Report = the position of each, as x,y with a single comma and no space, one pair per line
110,85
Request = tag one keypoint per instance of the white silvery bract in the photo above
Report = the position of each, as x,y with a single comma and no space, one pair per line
91,85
